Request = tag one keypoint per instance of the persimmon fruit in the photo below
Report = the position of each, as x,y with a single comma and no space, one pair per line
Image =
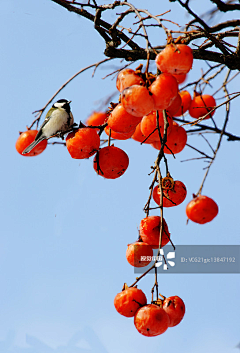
171,197
138,135
150,231
25,139
110,162
83,143
148,125
139,254
137,100
175,59
180,78
202,105
121,121
164,89
127,78
96,119
151,320
129,301
185,104
175,308
201,209
175,105
176,140
119,135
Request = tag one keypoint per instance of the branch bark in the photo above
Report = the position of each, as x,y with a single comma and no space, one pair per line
231,61
222,6
107,30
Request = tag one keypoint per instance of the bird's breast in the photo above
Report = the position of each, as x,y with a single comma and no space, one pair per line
59,121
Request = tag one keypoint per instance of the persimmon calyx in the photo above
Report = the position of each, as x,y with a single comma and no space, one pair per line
158,302
125,286
167,183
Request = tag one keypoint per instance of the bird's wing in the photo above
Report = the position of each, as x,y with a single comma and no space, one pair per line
43,124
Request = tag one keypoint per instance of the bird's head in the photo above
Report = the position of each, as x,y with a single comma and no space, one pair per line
62,103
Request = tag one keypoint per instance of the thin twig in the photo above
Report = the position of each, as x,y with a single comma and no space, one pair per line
40,111
221,135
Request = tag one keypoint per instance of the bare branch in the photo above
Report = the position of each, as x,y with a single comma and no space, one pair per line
40,111
222,6
91,17
221,134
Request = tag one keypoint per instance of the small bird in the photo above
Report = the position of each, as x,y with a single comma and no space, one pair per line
59,119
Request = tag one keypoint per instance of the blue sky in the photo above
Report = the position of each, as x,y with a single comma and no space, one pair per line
65,230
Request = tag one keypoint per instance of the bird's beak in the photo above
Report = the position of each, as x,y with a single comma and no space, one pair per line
69,102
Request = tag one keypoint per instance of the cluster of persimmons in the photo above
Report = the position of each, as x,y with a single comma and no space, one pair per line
144,100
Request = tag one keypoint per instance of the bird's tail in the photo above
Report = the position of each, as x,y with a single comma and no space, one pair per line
32,145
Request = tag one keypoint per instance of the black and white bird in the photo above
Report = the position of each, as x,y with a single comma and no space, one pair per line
59,119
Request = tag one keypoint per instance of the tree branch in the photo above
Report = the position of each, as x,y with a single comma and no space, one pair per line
222,6
231,61
106,30
91,17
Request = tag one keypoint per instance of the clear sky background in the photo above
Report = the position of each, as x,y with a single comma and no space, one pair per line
65,230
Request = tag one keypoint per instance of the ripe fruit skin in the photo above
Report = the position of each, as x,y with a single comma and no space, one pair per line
129,301
138,135
113,162
137,100
135,251
201,105
127,78
176,140
177,194
175,105
149,124
83,143
186,101
164,89
201,209
175,59
118,135
180,78
25,139
121,121
150,229
175,308
96,119
151,320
